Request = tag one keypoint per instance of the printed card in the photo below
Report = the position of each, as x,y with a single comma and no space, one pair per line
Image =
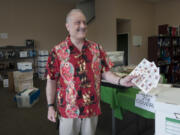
148,75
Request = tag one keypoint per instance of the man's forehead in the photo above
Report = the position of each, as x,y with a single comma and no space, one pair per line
77,15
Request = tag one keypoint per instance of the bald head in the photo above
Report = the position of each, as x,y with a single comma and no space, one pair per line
72,12
76,24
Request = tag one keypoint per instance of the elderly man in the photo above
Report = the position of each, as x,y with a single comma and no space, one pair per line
74,70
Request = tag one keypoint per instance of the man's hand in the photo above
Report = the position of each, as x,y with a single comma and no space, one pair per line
127,81
51,114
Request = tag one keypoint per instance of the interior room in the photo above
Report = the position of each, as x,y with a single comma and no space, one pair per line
129,31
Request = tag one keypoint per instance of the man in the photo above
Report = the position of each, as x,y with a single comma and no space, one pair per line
74,70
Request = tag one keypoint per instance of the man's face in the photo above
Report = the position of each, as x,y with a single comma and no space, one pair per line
77,26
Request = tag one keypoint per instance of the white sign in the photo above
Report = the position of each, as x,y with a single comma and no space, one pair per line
137,40
4,35
145,101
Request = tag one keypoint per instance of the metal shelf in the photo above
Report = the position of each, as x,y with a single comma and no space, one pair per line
9,47
17,59
13,56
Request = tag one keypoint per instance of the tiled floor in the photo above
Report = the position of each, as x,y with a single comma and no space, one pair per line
30,121
33,121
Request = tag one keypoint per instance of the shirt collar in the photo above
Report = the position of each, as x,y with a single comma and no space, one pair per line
69,42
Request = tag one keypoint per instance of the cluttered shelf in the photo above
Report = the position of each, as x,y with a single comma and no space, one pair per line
9,47
164,50
12,57
17,52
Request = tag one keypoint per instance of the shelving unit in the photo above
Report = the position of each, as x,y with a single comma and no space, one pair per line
165,52
10,55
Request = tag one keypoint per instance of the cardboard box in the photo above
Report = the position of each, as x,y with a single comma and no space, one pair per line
167,115
22,80
21,85
27,98
23,75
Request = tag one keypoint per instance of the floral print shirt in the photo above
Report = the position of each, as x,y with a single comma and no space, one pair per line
78,76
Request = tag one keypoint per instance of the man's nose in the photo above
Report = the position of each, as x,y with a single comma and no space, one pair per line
83,24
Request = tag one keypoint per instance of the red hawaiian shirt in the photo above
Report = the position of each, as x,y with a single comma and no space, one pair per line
78,76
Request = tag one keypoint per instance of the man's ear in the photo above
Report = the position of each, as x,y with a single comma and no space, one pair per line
67,26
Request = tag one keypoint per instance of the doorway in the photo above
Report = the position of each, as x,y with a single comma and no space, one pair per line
123,30
122,45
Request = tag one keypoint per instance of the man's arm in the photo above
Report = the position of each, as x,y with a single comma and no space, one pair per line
51,94
114,79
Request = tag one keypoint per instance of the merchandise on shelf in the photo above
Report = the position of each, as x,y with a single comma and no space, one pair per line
23,54
165,51
30,43
43,53
11,55
42,60
166,30
24,66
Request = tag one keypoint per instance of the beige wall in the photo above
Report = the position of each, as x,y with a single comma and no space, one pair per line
41,20
141,15
123,26
168,12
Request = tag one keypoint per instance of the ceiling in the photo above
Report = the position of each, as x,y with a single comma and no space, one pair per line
153,1
72,1
76,1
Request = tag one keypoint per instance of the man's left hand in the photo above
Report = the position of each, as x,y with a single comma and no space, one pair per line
127,81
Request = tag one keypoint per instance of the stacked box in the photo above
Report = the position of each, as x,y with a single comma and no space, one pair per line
23,54
24,66
27,98
5,83
42,60
22,80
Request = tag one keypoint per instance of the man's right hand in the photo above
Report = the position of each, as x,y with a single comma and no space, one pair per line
51,114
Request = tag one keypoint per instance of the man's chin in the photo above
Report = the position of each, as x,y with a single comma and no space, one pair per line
82,37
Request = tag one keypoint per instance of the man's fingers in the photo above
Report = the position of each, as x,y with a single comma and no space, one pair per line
133,76
52,115
52,118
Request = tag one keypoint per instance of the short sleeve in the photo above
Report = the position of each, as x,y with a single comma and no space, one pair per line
105,61
52,66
